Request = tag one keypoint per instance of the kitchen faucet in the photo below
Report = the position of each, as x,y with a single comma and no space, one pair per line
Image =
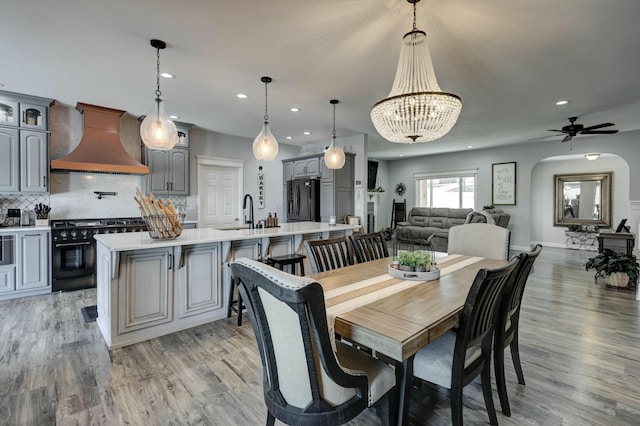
244,206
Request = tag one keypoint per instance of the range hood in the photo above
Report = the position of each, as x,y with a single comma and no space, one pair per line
100,149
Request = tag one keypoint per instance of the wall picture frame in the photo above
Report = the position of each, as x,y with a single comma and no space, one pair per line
503,184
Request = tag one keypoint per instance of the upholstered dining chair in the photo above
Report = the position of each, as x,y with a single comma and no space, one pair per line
479,239
454,359
507,325
306,382
367,247
328,254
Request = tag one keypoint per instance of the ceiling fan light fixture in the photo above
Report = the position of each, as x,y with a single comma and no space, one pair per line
592,156
265,145
334,157
416,110
157,130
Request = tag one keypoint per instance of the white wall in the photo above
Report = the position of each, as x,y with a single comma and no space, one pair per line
527,155
542,210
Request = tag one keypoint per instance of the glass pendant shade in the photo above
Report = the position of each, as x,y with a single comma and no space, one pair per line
157,130
416,110
265,145
334,156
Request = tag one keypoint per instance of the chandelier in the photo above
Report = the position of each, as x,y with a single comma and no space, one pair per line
416,110
334,156
157,130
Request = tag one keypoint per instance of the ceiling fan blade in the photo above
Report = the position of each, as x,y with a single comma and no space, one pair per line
597,126
599,132
543,137
554,130
567,138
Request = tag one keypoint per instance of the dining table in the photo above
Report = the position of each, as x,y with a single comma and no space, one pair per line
396,317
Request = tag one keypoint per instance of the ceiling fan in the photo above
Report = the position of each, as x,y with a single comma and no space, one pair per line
575,129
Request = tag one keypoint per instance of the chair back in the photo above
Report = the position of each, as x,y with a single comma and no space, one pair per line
512,298
479,239
332,253
303,383
475,330
398,212
367,247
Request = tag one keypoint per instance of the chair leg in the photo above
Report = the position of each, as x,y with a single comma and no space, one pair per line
385,410
456,404
515,355
239,310
486,392
230,301
498,361
270,419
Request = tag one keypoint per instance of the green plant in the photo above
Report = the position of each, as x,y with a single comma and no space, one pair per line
609,262
414,259
423,257
407,258
488,207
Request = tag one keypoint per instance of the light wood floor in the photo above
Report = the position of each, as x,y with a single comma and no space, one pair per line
580,347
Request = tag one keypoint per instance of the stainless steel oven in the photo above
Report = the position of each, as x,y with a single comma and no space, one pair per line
7,244
73,249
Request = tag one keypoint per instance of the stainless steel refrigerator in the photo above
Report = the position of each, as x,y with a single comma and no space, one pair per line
303,200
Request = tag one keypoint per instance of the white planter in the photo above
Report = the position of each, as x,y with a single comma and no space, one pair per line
619,279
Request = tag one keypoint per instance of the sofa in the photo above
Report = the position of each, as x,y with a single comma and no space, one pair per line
430,225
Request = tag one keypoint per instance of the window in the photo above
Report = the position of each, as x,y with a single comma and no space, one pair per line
453,190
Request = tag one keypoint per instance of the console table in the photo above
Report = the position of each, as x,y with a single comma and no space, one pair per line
621,242
580,240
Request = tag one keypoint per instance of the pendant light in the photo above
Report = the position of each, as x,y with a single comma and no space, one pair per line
416,110
265,145
334,156
157,130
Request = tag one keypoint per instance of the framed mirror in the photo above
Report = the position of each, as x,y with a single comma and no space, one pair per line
583,199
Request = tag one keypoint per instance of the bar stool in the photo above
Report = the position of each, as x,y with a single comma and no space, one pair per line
235,305
288,259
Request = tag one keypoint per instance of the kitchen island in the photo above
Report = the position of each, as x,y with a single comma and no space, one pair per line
149,288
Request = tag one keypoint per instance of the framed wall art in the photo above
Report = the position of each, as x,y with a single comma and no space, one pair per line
503,183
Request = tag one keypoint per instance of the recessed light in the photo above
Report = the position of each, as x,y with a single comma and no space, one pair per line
289,137
294,109
167,75
592,156
562,102
307,133
174,117
241,96
469,146
401,155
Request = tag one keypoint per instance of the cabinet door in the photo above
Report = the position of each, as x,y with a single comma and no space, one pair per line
158,178
33,261
179,171
300,168
7,279
198,280
34,161
146,286
9,160
34,116
8,113
314,166
183,135
327,207
287,171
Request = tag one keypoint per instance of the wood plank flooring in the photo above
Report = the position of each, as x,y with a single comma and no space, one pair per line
580,349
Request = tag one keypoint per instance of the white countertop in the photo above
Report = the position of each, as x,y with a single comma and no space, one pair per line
141,240
13,229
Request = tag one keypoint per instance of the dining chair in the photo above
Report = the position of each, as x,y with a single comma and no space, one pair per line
455,359
368,247
308,379
507,325
328,254
479,239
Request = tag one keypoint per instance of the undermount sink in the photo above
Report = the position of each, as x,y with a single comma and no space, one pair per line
230,228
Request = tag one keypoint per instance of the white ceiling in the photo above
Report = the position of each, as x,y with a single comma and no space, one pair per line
509,61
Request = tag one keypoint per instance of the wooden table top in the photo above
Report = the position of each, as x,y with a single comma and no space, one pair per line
401,323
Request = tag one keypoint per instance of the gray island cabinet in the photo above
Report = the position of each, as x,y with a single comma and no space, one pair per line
149,288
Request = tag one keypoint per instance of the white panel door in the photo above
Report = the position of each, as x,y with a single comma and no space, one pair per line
220,200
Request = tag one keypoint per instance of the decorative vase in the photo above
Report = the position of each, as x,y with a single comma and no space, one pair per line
618,279
407,268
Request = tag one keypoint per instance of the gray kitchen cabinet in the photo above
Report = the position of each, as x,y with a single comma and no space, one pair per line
9,160
198,276
146,285
307,167
24,167
337,190
33,260
169,170
287,168
34,161
7,279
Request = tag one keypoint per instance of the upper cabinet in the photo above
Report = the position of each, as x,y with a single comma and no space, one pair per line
307,167
24,143
169,170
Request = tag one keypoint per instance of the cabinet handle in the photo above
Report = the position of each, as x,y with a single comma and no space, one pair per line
167,186
181,263
170,261
44,181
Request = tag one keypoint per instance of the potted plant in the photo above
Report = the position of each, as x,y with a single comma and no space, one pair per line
407,261
616,268
418,261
